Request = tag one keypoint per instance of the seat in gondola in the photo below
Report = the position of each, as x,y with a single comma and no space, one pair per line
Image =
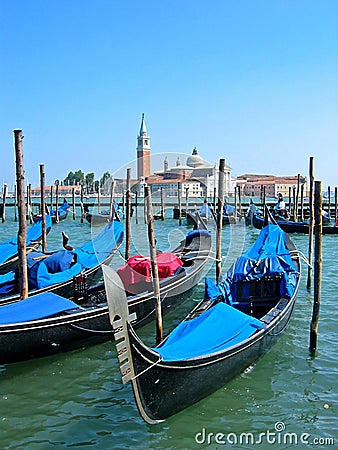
136,273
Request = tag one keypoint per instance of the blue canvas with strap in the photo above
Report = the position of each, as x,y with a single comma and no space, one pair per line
9,248
71,263
36,307
218,328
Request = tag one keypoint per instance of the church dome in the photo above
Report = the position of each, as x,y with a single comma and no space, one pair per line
194,160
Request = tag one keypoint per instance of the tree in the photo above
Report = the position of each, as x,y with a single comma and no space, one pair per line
72,179
106,176
79,177
90,181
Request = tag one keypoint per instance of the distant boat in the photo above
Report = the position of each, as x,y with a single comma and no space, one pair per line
9,257
101,217
62,213
236,322
205,213
208,215
255,218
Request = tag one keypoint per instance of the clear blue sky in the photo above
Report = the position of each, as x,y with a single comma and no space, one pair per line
252,81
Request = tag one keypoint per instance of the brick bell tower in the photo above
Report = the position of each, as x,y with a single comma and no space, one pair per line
143,152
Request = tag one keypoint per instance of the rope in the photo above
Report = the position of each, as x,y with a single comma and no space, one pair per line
148,368
280,331
92,331
301,256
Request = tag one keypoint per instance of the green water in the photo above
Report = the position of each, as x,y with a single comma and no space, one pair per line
76,399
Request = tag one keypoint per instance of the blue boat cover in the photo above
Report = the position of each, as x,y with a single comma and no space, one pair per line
7,283
217,329
228,210
194,234
211,290
62,209
205,210
223,326
36,307
63,265
268,256
9,248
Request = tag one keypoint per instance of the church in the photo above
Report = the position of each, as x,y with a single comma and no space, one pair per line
196,177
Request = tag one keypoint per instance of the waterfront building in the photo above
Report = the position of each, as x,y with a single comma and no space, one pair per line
252,185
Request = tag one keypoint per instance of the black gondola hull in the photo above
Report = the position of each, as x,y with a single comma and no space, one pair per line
171,387
72,331
92,325
291,227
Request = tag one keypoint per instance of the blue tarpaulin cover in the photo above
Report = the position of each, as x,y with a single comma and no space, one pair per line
223,326
268,256
9,248
64,265
218,328
42,274
62,209
194,234
205,210
35,307
7,283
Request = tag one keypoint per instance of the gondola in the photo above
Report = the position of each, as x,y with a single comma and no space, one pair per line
236,322
229,216
47,323
62,213
9,249
205,213
54,271
99,217
255,218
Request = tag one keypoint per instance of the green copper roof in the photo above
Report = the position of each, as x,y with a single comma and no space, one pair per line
143,128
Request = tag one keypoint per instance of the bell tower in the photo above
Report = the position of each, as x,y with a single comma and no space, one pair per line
143,152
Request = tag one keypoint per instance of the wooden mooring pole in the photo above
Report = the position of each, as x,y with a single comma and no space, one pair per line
236,206
98,198
297,197
57,218
30,202
239,203
73,201
317,266
154,268
43,208
20,186
128,214
144,204
3,212
136,204
51,197
179,203
111,201
219,219
215,199
311,222
82,204
162,204
302,202
187,202
294,209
